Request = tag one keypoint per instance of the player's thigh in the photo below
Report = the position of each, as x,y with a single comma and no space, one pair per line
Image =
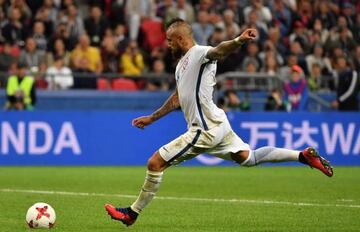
182,148
229,147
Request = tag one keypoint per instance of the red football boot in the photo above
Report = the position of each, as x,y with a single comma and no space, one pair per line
121,214
314,160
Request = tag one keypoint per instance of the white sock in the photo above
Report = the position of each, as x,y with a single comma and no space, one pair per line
270,154
148,191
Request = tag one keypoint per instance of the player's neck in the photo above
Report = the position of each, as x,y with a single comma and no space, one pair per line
188,46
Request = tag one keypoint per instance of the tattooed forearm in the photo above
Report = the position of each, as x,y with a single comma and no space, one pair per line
171,104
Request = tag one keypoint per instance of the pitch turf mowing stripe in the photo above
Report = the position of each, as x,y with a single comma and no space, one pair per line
256,202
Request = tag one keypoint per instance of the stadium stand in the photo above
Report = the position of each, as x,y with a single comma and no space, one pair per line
96,40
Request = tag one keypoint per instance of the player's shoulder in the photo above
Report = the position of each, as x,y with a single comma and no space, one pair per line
198,48
200,51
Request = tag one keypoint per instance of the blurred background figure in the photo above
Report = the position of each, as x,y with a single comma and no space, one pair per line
20,90
31,56
232,102
202,29
296,90
132,61
95,26
58,76
347,89
182,10
84,51
6,57
275,102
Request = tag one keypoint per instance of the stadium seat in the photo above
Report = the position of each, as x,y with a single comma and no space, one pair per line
122,84
41,84
153,34
103,84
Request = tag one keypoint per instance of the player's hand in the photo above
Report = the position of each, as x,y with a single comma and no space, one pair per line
142,122
249,34
335,104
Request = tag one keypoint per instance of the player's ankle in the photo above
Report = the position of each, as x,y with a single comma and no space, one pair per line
132,213
302,159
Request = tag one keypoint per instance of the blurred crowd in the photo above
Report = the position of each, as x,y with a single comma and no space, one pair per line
64,42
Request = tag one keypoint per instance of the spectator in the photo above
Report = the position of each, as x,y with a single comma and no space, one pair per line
95,26
319,30
238,11
162,8
202,29
13,31
39,36
347,87
269,49
356,29
304,13
217,37
62,33
59,76
31,56
229,22
120,38
20,90
109,55
59,51
52,11
318,57
42,15
285,71
296,49
206,5
296,90
282,16
132,61
263,12
314,80
74,24
275,101
181,10
342,38
137,10
274,36
233,102
348,11
158,71
24,9
6,57
116,12
84,51
300,36
260,26
251,56
270,64
357,58
325,15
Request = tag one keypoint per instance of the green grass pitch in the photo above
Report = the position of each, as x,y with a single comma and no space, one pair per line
190,198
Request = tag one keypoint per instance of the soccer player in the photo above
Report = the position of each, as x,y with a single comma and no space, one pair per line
209,130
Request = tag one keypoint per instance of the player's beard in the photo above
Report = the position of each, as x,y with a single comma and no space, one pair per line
176,53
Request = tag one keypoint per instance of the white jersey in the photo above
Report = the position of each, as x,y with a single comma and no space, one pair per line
195,79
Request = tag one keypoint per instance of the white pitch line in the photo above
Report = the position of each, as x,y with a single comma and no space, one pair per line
259,202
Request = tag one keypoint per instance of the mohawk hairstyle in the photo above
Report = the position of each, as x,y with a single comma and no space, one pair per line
175,22
178,22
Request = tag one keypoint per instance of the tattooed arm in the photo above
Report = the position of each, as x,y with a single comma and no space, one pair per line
227,47
171,104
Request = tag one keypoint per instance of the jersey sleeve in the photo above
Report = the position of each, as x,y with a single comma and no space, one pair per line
202,51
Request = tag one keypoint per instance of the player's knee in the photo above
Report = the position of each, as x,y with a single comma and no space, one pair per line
249,161
244,158
156,163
